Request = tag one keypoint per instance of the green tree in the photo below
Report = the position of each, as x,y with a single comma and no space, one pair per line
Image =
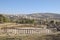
3,19
52,22
25,21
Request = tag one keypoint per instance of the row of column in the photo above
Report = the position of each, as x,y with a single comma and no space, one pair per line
28,31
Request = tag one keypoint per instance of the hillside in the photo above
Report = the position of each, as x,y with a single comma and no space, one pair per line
35,16
45,15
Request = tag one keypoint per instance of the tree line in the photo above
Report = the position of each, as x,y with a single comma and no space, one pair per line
4,19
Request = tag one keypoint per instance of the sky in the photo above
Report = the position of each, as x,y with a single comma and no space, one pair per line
29,6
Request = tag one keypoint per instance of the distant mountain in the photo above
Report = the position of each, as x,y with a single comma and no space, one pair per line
45,15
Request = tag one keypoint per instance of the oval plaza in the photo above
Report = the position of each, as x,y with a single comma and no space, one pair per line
23,30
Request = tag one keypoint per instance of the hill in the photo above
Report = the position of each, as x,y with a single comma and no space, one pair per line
37,16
